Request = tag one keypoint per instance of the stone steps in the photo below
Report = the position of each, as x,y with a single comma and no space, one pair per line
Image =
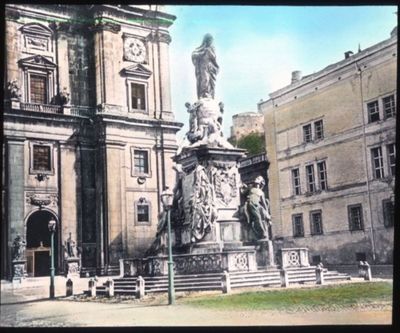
212,281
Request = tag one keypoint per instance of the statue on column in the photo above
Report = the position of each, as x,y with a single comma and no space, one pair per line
206,67
18,248
70,248
13,90
256,209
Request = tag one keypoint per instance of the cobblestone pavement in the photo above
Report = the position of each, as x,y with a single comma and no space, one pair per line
153,311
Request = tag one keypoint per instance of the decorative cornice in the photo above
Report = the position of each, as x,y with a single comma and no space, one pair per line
137,70
12,14
160,36
101,25
37,61
164,37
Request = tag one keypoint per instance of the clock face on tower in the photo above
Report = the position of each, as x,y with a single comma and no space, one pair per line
134,50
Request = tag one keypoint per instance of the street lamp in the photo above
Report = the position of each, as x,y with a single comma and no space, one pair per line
167,197
52,229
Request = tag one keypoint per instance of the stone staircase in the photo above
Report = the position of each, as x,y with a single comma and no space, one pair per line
212,281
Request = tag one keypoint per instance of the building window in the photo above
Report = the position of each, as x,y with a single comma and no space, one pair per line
391,152
298,229
143,213
389,109
141,161
388,213
38,89
138,96
316,223
296,181
377,162
323,182
373,111
41,158
310,178
307,135
355,217
142,207
319,130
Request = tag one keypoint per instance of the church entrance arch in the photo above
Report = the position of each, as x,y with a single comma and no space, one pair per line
38,243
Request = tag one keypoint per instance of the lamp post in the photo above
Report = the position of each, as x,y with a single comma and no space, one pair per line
52,229
167,197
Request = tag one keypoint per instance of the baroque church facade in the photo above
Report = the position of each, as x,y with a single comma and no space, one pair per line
88,132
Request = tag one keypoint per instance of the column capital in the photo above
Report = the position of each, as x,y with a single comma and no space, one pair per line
12,14
101,25
159,36
19,140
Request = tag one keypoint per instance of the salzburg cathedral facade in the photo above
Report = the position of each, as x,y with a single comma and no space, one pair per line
89,133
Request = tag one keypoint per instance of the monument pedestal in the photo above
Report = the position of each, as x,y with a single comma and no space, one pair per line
72,267
18,270
211,198
265,253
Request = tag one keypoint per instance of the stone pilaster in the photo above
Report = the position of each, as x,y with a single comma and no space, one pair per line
104,61
62,57
15,186
68,191
114,152
15,192
163,41
12,48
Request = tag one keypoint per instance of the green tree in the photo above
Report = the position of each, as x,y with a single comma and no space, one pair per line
254,143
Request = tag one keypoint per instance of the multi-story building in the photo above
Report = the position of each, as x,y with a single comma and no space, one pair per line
88,131
330,141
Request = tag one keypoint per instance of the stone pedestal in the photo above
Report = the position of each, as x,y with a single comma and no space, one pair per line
18,270
265,253
15,103
210,196
72,267
295,257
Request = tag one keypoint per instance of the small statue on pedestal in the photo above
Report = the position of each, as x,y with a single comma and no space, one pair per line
13,90
256,209
70,248
18,248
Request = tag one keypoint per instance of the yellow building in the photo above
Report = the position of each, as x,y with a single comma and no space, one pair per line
330,141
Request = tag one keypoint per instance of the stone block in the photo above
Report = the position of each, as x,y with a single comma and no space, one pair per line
226,283
140,287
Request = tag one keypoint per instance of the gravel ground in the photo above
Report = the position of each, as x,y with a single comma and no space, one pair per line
79,311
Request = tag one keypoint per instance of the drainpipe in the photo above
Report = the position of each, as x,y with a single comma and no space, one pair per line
366,165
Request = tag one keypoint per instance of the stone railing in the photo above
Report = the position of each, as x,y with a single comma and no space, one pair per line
294,257
82,111
47,108
252,160
232,261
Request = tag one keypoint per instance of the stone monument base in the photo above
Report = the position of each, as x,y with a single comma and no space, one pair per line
218,262
72,267
18,270
265,253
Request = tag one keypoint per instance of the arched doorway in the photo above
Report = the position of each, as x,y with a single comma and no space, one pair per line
38,243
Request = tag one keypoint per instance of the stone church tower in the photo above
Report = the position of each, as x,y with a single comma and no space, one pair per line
88,132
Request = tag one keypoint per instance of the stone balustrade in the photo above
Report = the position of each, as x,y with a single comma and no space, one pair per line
47,108
231,261
294,257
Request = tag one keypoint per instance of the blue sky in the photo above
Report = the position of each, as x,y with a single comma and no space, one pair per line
259,46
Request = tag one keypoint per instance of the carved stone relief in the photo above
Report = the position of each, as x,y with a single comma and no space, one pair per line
41,199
